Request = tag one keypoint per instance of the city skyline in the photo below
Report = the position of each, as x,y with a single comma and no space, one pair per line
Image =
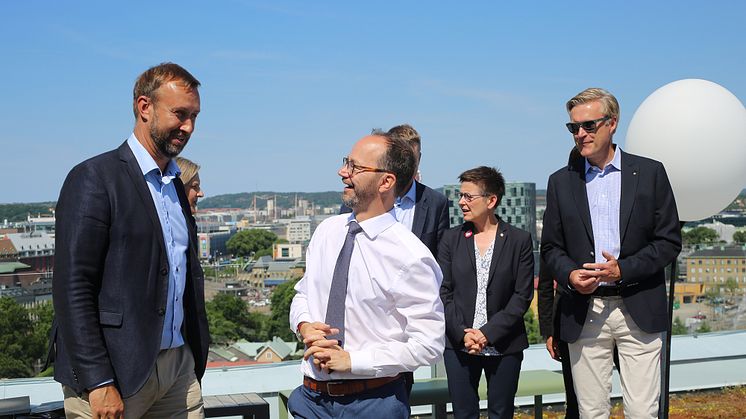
288,87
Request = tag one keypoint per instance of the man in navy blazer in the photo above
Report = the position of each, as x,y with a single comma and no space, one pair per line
610,229
422,209
131,332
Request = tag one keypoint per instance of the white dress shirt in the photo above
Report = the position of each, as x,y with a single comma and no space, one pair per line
404,207
394,319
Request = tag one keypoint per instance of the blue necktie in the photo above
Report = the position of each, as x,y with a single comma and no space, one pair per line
335,307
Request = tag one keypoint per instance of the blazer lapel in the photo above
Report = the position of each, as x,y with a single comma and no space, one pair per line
580,194
135,173
500,238
630,176
420,210
468,232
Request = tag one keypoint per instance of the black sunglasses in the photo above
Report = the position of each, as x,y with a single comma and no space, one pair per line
588,126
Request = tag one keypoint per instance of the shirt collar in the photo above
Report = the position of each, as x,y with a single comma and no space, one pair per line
147,163
376,225
615,163
411,193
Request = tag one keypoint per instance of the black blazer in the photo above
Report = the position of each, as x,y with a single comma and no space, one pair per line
650,240
111,277
430,219
509,290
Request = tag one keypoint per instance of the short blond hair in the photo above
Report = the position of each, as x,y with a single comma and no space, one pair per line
609,104
189,169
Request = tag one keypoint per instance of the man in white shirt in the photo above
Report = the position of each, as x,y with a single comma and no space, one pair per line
391,315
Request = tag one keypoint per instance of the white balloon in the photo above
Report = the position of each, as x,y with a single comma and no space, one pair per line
697,129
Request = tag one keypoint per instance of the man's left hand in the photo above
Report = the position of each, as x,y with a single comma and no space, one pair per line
607,271
329,356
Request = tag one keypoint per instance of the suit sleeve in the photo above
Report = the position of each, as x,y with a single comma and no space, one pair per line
553,246
665,242
505,321
82,237
443,222
545,295
455,324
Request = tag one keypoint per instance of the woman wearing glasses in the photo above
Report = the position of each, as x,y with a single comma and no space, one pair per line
488,270
190,177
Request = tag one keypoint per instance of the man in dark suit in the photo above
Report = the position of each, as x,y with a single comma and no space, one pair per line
131,336
610,229
421,209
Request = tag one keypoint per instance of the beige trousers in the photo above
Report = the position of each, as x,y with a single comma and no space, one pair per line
607,324
172,391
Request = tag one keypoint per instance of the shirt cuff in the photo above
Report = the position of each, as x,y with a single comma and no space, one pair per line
104,383
361,363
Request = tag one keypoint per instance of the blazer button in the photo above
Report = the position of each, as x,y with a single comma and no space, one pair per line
161,312
164,271
593,254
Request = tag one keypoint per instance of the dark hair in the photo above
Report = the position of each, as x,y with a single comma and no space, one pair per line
488,178
148,82
398,159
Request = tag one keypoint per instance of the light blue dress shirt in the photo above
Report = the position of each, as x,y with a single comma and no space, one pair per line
404,207
604,190
175,236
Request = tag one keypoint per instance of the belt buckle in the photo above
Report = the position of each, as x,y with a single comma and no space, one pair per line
330,384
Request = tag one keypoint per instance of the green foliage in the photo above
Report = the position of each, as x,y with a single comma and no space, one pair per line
678,328
229,320
532,327
23,337
246,242
699,235
19,212
731,285
284,200
281,299
739,237
704,327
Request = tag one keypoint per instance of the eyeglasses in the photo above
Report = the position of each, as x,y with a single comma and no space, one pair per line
588,126
353,168
469,197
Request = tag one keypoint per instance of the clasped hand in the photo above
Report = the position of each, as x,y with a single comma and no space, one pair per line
586,280
474,340
327,354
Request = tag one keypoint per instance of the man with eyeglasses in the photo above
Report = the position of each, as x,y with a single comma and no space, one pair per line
368,308
423,210
610,229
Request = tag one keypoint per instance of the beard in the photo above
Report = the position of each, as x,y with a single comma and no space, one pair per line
360,197
161,139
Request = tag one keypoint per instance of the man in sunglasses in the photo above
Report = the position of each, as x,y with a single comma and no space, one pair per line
368,308
610,229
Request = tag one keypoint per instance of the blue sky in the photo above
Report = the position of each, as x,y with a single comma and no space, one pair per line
288,87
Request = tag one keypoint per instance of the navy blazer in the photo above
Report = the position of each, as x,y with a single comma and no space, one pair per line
650,240
509,288
111,277
430,219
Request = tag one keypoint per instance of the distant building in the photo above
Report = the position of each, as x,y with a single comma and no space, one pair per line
286,251
518,206
35,249
299,230
714,267
8,252
42,222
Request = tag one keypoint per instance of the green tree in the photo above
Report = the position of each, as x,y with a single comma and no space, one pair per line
704,327
22,339
678,328
532,327
700,235
248,242
739,237
229,320
281,299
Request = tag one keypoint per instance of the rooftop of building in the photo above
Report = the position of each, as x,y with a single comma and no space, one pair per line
719,252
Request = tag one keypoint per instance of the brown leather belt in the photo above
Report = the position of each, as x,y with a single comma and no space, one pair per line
346,387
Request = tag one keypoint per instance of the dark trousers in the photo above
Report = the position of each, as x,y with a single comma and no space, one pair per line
571,400
464,372
388,401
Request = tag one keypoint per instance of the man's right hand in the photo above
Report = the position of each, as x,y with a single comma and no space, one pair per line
553,349
106,402
316,331
584,281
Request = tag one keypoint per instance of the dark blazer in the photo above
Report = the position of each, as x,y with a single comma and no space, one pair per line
111,277
509,290
430,219
650,240
546,303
